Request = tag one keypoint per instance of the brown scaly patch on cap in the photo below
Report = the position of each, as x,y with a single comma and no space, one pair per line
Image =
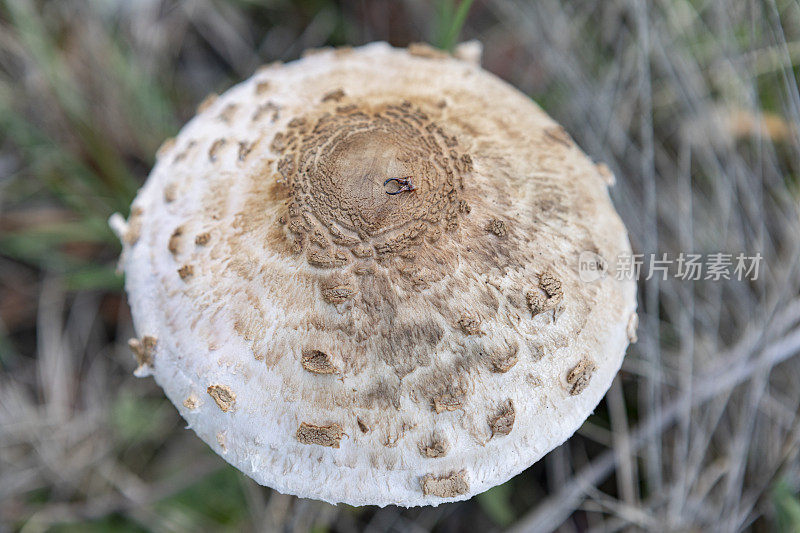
318,362
202,238
547,296
143,350
223,396
167,146
227,114
334,96
191,402
207,102
262,87
497,227
427,51
502,421
338,289
503,360
134,229
214,149
170,192
579,376
433,447
445,486
328,435
186,271
633,324
470,325
174,243
245,148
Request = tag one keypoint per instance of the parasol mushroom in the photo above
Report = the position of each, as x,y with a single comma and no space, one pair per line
356,276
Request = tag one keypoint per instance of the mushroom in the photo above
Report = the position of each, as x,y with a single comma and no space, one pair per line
361,269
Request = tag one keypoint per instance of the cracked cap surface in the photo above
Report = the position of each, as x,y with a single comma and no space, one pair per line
361,268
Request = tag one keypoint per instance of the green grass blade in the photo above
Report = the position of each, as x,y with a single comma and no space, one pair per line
452,21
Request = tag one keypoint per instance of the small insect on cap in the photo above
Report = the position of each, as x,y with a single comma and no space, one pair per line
356,275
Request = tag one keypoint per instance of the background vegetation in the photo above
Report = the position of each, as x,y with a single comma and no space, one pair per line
694,105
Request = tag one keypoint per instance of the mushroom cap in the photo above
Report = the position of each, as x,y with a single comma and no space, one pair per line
356,276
